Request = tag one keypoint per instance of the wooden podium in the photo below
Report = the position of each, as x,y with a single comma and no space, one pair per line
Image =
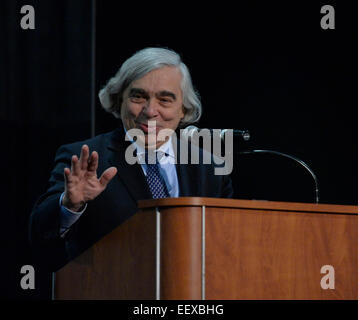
207,248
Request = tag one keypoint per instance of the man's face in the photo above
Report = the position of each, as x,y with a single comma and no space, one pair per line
157,96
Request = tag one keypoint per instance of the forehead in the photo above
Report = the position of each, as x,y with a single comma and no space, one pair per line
165,78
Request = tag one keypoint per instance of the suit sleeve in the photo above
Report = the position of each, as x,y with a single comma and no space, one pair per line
45,219
227,189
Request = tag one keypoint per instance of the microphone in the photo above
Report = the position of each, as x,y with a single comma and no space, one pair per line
189,131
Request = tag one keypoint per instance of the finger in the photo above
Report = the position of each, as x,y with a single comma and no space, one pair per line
93,162
75,167
84,157
107,176
66,174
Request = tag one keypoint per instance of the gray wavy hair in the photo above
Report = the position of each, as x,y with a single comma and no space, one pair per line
139,65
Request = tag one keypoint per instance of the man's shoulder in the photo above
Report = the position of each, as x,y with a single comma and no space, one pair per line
97,142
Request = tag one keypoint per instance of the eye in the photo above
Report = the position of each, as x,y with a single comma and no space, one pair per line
165,100
137,98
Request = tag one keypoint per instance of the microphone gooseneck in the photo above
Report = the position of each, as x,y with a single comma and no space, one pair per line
296,160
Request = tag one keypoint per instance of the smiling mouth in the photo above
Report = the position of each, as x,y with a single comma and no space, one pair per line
145,128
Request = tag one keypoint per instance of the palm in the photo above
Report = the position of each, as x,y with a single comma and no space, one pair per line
81,182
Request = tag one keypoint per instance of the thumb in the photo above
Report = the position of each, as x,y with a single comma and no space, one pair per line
107,176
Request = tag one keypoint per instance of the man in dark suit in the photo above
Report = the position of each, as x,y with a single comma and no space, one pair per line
92,194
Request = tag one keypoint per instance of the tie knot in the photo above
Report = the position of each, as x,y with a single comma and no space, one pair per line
153,157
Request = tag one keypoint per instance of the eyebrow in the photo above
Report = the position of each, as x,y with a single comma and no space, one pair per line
163,93
166,93
134,91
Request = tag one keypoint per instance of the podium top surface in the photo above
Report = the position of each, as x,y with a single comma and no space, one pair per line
248,204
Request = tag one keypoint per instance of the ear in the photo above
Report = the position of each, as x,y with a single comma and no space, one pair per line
184,111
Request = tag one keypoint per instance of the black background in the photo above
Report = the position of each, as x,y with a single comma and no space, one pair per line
268,68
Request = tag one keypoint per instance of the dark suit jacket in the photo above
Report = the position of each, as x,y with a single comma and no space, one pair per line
113,206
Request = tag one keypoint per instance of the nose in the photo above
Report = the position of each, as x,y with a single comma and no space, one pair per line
150,108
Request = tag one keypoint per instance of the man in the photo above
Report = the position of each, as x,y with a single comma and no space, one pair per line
92,194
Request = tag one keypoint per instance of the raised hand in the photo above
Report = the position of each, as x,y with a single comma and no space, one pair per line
81,182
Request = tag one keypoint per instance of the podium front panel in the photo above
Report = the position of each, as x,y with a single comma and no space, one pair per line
264,254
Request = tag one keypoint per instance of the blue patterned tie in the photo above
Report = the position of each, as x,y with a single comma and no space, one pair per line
155,181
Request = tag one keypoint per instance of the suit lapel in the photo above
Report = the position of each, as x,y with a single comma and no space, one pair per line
184,181
186,185
131,175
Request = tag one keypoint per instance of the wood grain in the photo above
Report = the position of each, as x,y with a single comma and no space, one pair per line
249,204
256,254
254,250
181,253
119,266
